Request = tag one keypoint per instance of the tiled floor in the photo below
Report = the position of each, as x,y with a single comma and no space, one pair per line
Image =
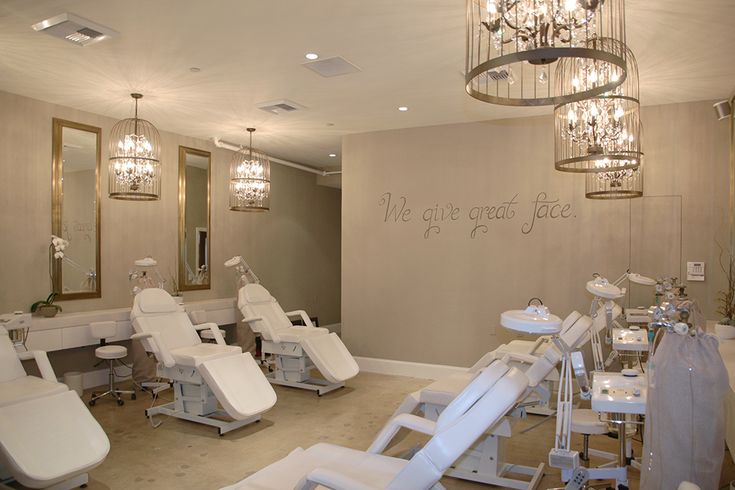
182,454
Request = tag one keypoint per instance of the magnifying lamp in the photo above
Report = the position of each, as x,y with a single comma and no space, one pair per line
148,261
602,288
639,279
145,275
237,259
535,319
243,273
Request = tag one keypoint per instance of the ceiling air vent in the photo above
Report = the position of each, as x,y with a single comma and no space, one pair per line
75,29
331,67
283,106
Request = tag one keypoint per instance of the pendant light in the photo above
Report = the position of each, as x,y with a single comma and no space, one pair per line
513,45
135,167
615,184
250,179
603,133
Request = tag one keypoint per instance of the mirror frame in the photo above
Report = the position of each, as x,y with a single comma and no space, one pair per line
183,151
57,204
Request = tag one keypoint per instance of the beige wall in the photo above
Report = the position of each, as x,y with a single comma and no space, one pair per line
294,248
419,285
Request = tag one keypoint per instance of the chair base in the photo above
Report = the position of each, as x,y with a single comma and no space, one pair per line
113,393
111,390
223,426
484,463
321,386
503,479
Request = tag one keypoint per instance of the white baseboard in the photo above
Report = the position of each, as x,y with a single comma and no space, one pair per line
405,368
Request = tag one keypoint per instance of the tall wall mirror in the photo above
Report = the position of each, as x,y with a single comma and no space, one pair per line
76,209
194,228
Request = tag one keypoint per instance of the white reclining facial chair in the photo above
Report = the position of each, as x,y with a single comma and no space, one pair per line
485,461
48,438
491,393
296,349
203,374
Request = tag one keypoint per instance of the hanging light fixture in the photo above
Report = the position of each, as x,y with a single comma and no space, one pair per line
250,179
600,134
615,184
512,46
135,168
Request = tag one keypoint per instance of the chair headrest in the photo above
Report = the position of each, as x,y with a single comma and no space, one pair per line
155,300
255,293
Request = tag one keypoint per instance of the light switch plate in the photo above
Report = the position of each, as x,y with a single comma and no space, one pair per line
695,271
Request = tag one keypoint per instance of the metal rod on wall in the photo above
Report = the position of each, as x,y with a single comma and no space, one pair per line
234,147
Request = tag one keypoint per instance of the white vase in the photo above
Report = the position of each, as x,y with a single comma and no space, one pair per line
725,332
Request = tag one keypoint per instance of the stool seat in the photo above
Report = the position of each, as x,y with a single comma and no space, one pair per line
111,352
208,335
587,421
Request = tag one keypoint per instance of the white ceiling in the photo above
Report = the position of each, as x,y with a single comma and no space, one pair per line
411,53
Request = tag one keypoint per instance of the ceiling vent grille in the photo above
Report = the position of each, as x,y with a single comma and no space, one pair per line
283,106
74,29
331,67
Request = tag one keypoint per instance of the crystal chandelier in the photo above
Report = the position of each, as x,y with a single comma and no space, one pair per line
250,179
134,169
600,134
512,46
615,184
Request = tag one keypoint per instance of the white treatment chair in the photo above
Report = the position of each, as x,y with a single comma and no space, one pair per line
485,462
491,393
203,374
15,385
48,438
297,349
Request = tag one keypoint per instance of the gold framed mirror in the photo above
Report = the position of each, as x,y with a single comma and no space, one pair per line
75,209
194,223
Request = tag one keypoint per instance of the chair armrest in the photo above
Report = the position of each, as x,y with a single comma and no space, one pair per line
214,328
159,350
391,428
333,479
517,357
44,366
269,331
304,317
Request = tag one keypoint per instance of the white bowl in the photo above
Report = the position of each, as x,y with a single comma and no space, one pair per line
725,332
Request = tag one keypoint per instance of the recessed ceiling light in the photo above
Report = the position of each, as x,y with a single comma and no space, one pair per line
195,69
403,108
311,56
332,155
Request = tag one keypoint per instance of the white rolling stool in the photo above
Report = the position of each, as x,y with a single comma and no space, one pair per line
197,318
112,354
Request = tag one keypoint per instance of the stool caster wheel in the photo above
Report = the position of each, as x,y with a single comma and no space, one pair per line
132,397
120,402
92,402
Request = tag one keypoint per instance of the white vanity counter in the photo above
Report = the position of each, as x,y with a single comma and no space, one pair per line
70,330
